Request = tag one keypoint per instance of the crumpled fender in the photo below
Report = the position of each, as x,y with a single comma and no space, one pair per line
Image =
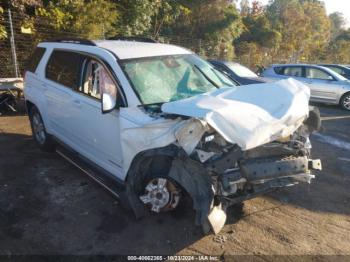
193,177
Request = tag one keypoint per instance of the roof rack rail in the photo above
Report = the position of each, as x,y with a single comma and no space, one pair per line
80,41
133,38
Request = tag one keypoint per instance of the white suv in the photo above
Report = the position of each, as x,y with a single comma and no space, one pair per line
154,123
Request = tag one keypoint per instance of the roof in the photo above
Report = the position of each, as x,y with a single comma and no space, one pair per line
133,49
296,65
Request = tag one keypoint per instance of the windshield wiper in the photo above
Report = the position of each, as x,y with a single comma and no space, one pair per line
154,107
206,77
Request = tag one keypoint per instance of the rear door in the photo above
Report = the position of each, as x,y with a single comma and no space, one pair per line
62,78
322,84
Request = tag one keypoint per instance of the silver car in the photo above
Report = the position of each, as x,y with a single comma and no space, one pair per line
326,85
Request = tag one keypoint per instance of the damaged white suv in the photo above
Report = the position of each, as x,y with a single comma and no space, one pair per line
153,123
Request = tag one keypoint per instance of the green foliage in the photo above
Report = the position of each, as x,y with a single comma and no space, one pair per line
337,24
3,33
282,31
93,19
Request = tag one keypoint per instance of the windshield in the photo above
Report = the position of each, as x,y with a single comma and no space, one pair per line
336,74
240,70
170,78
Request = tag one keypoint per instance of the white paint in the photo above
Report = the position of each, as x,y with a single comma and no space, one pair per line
131,49
332,141
250,115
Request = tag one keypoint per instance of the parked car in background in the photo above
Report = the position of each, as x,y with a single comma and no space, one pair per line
326,85
163,124
238,72
340,69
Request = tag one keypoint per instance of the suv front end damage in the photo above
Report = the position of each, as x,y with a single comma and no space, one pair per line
236,175
219,157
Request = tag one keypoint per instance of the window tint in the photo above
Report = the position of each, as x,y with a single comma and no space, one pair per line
295,71
279,70
34,59
96,80
64,68
315,73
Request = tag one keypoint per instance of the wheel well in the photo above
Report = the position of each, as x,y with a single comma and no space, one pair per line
345,94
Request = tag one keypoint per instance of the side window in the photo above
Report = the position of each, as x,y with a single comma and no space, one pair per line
96,80
279,70
315,73
34,59
295,71
63,67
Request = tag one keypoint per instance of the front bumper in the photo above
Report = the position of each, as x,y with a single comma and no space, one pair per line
256,171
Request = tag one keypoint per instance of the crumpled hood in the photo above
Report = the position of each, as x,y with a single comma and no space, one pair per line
249,115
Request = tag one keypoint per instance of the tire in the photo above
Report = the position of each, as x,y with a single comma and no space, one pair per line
41,137
345,101
158,183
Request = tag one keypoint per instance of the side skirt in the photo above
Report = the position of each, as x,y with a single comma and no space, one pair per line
105,179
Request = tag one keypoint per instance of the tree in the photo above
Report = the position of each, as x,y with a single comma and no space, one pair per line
3,33
337,24
209,27
304,27
258,39
93,19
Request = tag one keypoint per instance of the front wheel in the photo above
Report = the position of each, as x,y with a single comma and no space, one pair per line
161,195
42,138
345,101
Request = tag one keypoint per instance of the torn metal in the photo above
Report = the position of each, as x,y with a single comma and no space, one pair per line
221,148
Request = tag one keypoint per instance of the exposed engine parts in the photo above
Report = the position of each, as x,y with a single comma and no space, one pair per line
217,174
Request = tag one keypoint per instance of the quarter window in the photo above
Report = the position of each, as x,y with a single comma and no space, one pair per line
34,59
314,73
97,80
63,67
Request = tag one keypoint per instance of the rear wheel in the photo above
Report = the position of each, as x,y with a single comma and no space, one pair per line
42,138
345,101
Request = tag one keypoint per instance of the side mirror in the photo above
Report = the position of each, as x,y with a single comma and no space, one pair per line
109,102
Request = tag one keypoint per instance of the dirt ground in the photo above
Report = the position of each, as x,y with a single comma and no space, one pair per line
47,206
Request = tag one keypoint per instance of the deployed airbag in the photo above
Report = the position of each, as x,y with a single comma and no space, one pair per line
249,115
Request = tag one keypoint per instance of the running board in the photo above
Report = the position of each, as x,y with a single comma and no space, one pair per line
106,180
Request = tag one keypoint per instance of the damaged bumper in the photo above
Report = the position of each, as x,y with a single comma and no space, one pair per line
259,177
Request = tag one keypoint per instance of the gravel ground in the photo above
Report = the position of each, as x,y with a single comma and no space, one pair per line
47,206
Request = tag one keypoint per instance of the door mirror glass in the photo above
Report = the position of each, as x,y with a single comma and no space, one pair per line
109,92
108,102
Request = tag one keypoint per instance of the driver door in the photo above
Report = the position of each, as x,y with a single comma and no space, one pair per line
98,134
323,86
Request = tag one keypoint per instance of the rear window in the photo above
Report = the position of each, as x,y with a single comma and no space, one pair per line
34,59
64,67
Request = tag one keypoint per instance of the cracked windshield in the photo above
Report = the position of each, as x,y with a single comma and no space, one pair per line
170,78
